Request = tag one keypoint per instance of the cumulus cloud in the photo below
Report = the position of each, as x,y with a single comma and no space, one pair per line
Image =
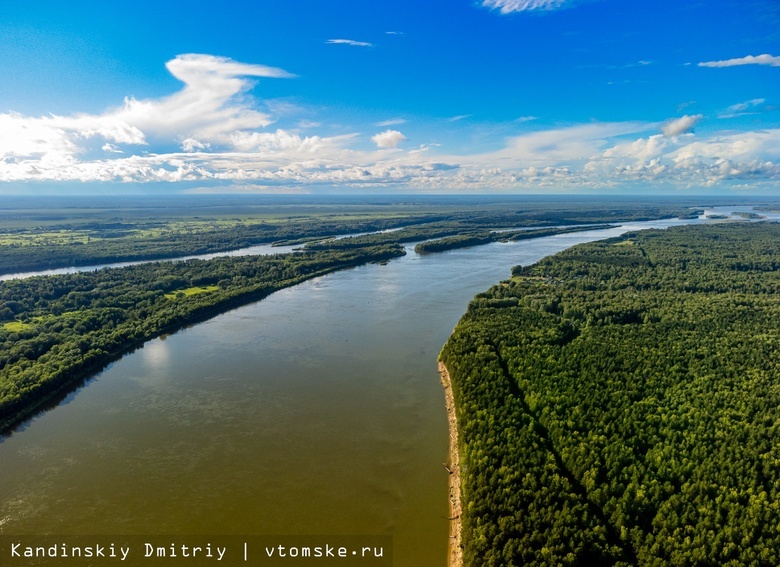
509,6
290,143
193,145
764,59
349,42
682,161
388,139
213,131
679,126
596,156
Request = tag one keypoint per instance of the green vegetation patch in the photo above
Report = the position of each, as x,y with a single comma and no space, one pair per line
620,405
17,326
189,291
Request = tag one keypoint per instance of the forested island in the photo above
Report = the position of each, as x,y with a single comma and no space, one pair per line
619,404
57,330
41,235
479,238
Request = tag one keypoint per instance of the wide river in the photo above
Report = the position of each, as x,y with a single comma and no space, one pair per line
315,411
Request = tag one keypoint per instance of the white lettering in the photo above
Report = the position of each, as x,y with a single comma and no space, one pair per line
378,551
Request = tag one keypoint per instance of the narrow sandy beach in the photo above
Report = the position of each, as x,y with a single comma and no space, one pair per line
455,554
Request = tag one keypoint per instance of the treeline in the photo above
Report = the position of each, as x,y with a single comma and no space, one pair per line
30,247
619,404
478,238
56,330
132,241
471,228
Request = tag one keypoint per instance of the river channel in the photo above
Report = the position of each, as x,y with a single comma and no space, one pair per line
317,411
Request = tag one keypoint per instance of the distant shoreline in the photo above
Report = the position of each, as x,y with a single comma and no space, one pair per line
455,548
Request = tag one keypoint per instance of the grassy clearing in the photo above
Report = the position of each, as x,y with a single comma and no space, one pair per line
197,290
44,238
17,326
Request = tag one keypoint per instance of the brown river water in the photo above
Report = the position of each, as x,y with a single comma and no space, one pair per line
317,411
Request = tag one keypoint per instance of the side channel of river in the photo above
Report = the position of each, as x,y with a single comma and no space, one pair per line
317,411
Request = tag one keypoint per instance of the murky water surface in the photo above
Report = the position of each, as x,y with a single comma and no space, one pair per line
315,411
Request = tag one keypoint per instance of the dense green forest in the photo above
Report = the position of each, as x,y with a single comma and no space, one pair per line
619,404
39,239
95,243
485,237
56,330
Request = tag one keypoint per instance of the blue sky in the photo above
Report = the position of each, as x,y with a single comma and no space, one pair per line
403,96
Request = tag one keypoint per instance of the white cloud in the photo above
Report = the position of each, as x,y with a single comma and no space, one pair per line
111,148
681,125
391,122
459,117
208,109
349,42
388,139
562,146
764,144
741,108
292,144
764,59
526,119
193,145
509,6
22,136
210,105
643,149
595,156
220,137
686,160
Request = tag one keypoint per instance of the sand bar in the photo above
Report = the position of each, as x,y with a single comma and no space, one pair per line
455,553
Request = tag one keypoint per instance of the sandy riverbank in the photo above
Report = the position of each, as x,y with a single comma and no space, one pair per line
455,554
